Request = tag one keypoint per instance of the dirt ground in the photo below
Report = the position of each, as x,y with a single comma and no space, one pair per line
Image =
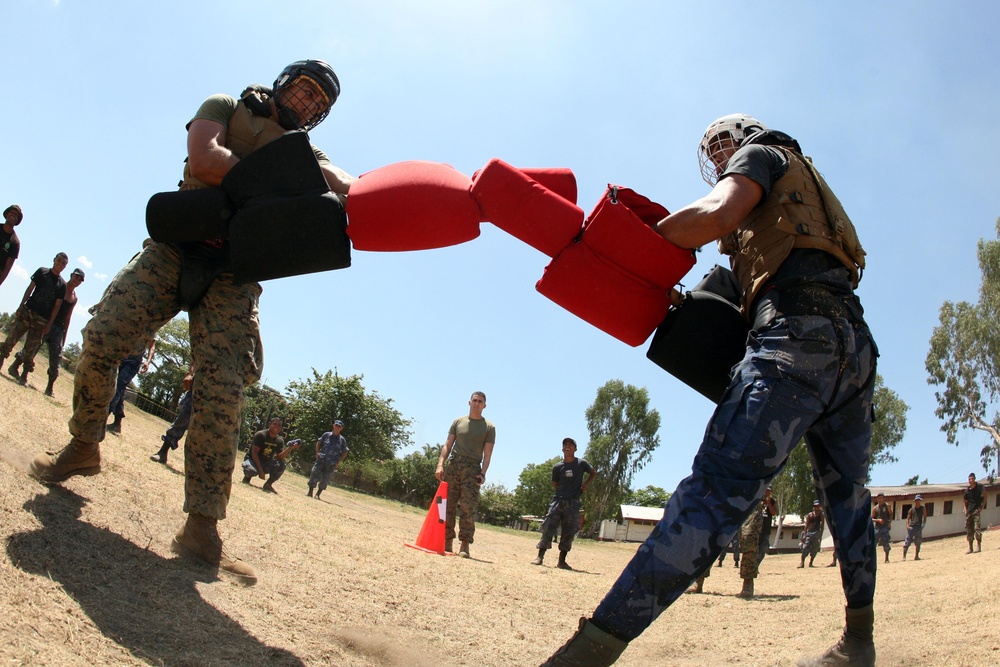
87,578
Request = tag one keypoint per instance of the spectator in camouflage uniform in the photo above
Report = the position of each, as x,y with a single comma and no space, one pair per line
812,535
808,372
331,450
172,438
768,509
882,520
165,278
916,519
734,548
564,510
472,439
10,244
973,503
34,318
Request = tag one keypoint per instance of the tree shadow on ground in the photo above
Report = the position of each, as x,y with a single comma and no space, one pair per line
147,604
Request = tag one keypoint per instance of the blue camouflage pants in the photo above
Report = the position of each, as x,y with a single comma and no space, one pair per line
127,369
322,472
564,516
805,376
181,422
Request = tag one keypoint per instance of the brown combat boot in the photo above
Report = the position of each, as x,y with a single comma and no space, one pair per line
541,557
747,591
589,647
463,551
76,458
856,647
199,538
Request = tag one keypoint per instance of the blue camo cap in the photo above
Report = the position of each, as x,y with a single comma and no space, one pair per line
338,423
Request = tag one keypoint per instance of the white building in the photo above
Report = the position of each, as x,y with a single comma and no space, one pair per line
944,503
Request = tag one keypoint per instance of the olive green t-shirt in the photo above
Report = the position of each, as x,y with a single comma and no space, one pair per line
220,108
471,436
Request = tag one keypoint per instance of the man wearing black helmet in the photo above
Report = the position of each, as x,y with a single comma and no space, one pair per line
808,372
165,278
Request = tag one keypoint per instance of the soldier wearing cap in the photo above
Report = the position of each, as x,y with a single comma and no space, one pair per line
882,518
331,449
35,317
10,245
916,519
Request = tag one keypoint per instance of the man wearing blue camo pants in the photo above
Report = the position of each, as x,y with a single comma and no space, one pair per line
808,372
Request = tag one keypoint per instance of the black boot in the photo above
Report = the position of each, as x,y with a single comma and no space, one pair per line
589,647
116,426
13,370
562,564
541,557
24,376
856,647
49,387
161,456
310,491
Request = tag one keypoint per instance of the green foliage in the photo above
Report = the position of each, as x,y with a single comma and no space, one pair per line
622,439
651,496
171,361
534,487
794,489
411,478
71,356
889,425
373,428
6,319
964,358
913,481
497,505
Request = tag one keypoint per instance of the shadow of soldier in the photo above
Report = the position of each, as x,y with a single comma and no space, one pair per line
146,603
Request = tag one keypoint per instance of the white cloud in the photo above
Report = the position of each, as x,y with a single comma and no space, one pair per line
82,259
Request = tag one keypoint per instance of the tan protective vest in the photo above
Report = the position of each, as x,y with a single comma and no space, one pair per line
245,133
800,212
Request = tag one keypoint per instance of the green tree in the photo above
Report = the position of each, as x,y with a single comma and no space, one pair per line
913,481
964,358
497,505
70,356
171,361
622,440
651,496
534,487
889,424
374,429
794,489
6,319
411,478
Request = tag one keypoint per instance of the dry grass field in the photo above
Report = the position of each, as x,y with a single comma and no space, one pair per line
87,578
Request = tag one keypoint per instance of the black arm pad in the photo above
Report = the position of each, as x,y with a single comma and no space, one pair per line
188,215
289,237
286,167
700,341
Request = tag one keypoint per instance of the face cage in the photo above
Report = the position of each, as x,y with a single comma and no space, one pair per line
284,99
722,138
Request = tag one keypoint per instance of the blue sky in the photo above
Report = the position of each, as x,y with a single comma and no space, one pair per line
894,101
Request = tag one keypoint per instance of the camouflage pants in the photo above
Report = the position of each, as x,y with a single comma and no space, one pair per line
811,543
463,498
805,377
564,516
226,350
54,341
914,535
30,323
973,527
750,545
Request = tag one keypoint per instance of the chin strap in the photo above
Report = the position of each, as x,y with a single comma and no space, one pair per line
257,99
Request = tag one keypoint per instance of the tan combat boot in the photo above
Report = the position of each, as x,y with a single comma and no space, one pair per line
589,647
199,538
856,647
76,458
747,591
463,551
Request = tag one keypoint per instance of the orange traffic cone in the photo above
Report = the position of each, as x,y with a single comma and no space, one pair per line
431,537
